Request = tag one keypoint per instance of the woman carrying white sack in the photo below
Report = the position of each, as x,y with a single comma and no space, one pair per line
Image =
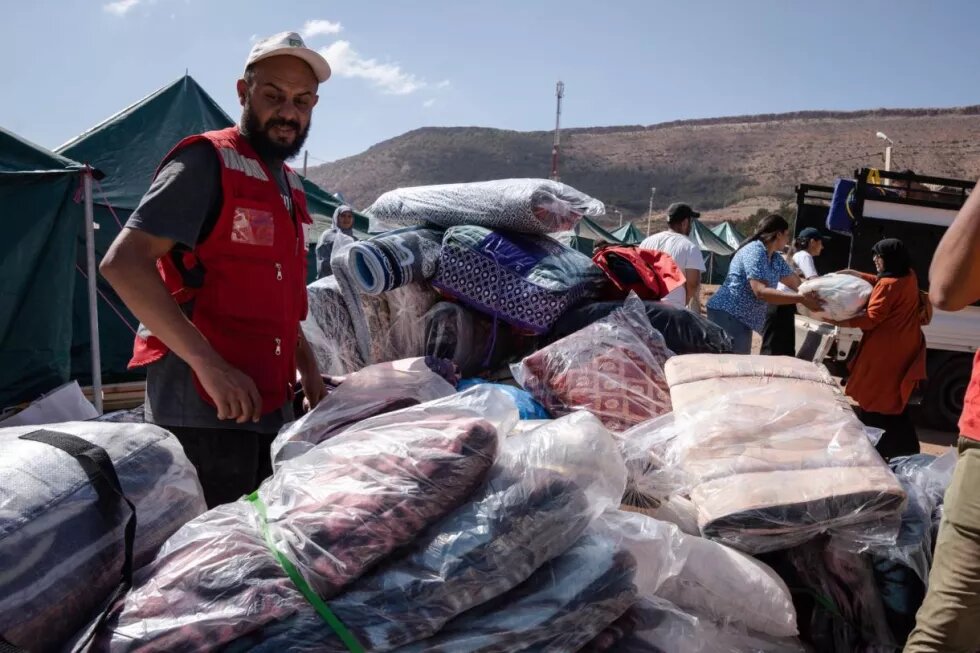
891,359
779,333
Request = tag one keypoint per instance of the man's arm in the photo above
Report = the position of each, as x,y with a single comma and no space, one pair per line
130,267
692,286
954,276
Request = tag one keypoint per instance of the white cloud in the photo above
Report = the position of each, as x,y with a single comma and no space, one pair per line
120,7
443,84
253,38
428,104
389,77
320,27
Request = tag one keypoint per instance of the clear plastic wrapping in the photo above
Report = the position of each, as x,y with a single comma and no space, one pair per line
395,259
612,368
374,390
684,331
60,559
533,206
658,626
368,313
541,494
334,513
465,337
844,296
524,280
329,329
772,462
407,308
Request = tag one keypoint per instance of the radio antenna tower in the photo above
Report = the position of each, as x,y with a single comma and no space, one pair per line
559,94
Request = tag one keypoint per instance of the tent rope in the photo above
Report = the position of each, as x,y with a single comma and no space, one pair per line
109,302
105,201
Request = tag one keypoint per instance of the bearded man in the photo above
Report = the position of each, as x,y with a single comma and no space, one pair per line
213,263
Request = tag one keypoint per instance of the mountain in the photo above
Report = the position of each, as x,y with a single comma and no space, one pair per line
727,166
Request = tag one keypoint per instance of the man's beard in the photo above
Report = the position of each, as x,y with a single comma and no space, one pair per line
265,146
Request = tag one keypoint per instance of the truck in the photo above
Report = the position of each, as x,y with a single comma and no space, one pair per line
916,209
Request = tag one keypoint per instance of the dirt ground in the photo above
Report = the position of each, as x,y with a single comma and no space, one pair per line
931,440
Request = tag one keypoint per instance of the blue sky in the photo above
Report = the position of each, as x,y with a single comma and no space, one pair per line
404,65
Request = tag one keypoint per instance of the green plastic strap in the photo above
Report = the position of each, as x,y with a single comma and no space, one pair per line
321,608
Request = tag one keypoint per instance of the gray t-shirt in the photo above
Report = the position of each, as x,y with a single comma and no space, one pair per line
183,204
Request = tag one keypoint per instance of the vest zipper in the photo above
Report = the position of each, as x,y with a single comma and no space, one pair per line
278,271
278,346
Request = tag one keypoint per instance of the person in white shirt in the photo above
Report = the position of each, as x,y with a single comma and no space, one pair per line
676,242
779,333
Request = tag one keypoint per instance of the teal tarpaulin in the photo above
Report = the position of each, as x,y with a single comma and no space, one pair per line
37,267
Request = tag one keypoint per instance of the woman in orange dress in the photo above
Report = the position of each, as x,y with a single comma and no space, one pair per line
891,359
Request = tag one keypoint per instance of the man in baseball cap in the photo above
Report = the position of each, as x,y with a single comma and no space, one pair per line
213,263
676,241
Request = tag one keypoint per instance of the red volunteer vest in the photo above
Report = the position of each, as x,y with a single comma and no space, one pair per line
970,418
248,278
658,272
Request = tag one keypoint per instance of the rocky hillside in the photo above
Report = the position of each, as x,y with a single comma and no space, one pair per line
729,166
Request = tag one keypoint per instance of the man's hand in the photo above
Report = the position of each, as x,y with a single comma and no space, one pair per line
233,392
314,388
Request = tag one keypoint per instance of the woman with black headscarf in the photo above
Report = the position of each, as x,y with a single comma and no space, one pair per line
891,359
342,230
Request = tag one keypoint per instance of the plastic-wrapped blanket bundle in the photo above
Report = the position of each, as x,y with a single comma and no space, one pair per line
540,496
684,331
60,553
661,627
613,368
374,390
329,329
532,206
329,515
772,462
844,296
369,314
407,308
469,339
395,259
524,280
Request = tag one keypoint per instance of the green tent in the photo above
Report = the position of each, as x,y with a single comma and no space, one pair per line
717,253
37,267
729,233
628,234
128,147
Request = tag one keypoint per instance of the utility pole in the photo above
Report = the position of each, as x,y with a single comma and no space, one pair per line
888,150
653,191
559,94
306,159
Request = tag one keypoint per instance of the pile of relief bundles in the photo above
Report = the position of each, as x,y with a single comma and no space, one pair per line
771,454
329,329
313,528
83,503
413,539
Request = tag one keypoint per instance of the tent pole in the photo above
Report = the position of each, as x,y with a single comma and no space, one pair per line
93,306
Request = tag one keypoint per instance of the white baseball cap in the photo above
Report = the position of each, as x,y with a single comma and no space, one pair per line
290,43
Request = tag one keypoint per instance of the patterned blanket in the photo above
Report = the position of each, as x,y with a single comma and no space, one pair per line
613,368
533,206
368,313
526,281
395,259
329,329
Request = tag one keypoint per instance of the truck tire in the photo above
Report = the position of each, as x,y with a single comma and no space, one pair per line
943,400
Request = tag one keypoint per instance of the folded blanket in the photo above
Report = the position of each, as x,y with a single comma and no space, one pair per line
374,390
466,337
533,206
334,513
61,548
562,607
540,496
523,280
612,368
329,329
395,259
844,296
